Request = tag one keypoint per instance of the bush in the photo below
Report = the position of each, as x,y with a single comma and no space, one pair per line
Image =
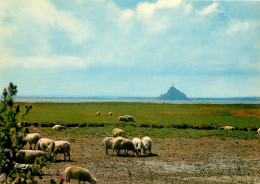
12,139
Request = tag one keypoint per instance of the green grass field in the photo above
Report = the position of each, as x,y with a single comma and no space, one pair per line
147,114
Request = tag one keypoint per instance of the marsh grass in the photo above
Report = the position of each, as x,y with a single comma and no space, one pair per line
147,114
157,120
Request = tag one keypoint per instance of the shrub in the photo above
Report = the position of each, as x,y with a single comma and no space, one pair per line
12,139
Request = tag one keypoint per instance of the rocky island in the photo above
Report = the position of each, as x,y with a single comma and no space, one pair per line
173,94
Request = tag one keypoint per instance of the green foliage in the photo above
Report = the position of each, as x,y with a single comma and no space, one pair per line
12,139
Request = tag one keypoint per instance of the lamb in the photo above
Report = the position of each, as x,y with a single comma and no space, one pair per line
46,144
110,113
33,138
138,144
58,127
80,174
126,118
229,128
118,132
62,147
108,142
98,113
147,144
29,156
258,134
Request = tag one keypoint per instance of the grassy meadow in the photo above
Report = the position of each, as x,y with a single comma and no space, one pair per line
162,120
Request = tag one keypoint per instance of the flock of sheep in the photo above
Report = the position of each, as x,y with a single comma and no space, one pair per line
41,146
118,142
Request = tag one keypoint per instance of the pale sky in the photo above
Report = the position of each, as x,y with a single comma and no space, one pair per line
130,47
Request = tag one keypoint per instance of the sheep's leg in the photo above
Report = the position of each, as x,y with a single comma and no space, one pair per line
107,151
30,146
64,156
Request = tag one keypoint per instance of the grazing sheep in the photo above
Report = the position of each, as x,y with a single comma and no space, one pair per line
62,147
118,132
29,156
147,144
46,144
110,113
258,134
33,138
80,174
126,118
128,145
58,127
121,143
98,113
117,144
138,144
229,128
129,118
108,142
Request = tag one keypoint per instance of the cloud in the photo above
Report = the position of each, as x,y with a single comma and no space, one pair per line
213,8
238,26
147,9
55,61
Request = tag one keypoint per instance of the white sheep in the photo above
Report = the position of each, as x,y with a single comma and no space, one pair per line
46,144
62,147
33,138
118,132
126,118
138,144
108,142
229,128
258,134
98,113
110,113
58,127
147,144
29,156
80,174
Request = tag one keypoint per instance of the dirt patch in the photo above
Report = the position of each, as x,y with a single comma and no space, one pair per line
174,160
242,113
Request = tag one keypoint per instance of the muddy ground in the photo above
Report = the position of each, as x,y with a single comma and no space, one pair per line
174,160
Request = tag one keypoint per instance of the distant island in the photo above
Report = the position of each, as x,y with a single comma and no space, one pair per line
173,94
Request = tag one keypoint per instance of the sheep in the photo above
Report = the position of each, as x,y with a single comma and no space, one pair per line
129,118
58,127
29,156
122,118
128,145
98,113
121,143
258,134
108,142
110,113
126,118
46,144
62,147
80,174
229,128
147,144
138,145
117,144
33,138
118,132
